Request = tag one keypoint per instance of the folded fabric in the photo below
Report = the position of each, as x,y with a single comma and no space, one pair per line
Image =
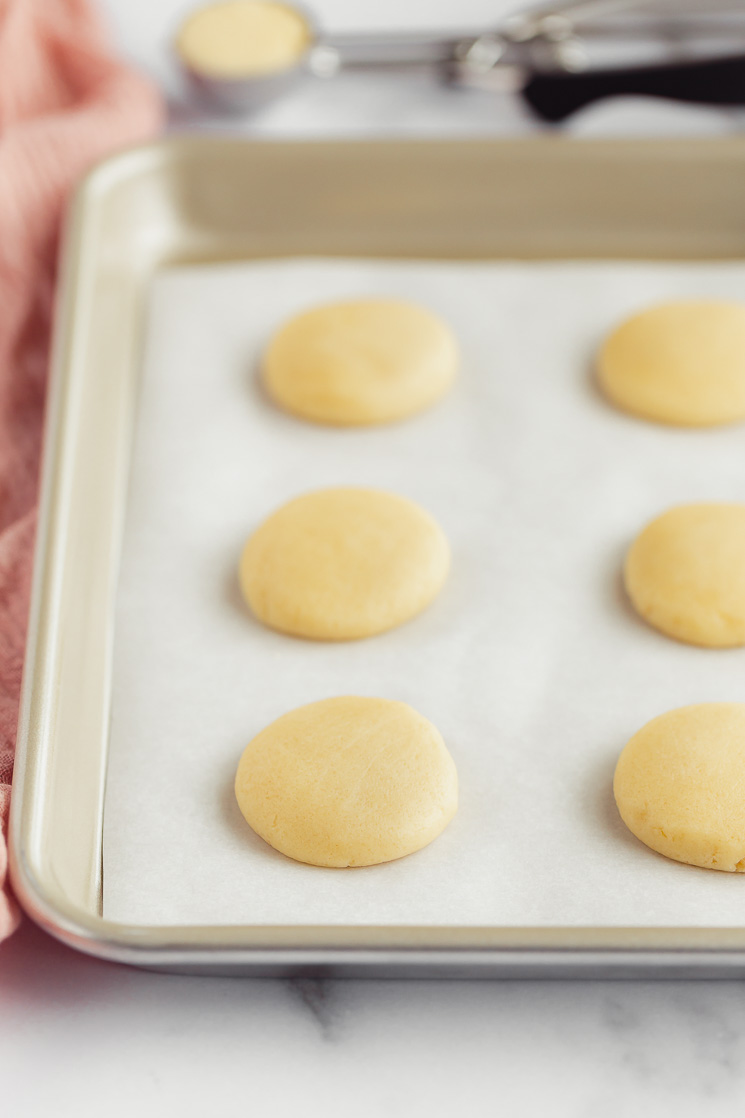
64,103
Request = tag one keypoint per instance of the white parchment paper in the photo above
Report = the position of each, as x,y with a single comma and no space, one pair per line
531,663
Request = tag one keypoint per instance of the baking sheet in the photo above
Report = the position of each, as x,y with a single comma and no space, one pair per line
530,663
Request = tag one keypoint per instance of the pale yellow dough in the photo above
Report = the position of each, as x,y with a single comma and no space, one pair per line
680,785
357,363
685,574
243,38
340,564
680,363
348,782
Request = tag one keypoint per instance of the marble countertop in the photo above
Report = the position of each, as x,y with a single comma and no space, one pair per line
79,1037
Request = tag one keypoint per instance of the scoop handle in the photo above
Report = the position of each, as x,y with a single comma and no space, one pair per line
376,50
556,96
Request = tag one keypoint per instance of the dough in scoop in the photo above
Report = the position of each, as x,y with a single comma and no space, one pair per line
340,564
363,362
685,574
680,363
680,785
348,782
243,39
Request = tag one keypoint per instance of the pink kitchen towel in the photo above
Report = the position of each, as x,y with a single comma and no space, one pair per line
65,102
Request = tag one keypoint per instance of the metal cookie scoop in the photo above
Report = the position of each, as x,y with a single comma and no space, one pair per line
322,56
559,58
239,55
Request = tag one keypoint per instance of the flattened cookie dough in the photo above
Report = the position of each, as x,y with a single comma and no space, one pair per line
348,782
356,363
685,574
341,564
243,38
680,785
680,363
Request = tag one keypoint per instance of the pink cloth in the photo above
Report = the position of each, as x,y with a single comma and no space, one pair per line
64,103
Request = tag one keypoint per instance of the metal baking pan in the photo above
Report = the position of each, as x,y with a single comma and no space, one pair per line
196,200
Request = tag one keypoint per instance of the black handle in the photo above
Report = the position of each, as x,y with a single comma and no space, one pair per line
720,81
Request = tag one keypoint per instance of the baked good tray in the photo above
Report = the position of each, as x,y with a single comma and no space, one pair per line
354,214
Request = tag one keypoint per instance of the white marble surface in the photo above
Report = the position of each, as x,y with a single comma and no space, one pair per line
82,1038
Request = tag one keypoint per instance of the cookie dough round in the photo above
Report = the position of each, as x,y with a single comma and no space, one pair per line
341,564
356,363
685,574
348,782
243,38
680,363
680,785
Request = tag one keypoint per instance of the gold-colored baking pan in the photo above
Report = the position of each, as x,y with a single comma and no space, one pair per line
188,200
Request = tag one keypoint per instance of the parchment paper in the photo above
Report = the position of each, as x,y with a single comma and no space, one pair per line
531,663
